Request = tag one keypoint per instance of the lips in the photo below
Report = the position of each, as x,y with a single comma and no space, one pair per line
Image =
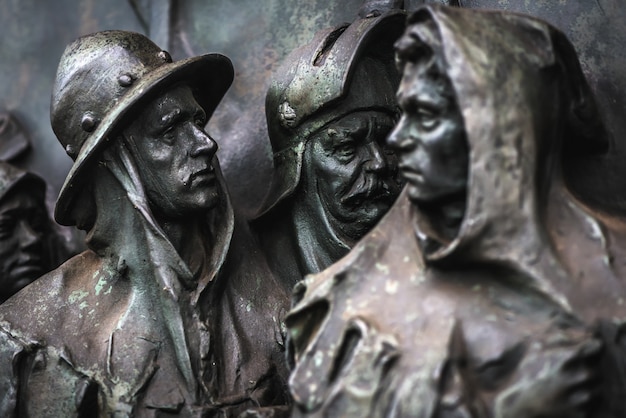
205,176
411,174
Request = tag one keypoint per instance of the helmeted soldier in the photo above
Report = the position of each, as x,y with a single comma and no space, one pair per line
329,108
130,326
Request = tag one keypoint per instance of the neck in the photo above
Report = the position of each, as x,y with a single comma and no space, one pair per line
443,218
184,235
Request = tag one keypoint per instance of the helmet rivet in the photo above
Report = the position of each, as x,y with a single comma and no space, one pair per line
286,115
88,122
165,56
69,149
125,80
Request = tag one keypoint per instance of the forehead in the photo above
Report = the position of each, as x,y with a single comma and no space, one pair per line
425,81
363,119
178,97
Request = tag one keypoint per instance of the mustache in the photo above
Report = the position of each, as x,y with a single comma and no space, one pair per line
370,187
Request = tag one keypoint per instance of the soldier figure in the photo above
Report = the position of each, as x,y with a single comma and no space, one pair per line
134,325
329,109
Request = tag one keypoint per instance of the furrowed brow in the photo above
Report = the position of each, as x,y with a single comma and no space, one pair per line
170,117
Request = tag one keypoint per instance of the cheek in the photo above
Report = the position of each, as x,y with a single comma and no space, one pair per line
405,130
442,145
170,160
336,176
160,162
454,151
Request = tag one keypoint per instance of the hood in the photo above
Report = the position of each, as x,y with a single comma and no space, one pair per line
524,101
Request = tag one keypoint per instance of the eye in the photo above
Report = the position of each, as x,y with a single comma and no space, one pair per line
345,150
200,119
427,119
167,135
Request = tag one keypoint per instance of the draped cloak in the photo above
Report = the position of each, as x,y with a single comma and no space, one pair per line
407,325
127,328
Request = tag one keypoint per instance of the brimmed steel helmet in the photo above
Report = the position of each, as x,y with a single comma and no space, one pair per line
101,80
317,77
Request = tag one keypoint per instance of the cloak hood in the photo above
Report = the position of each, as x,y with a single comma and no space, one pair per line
125,196
524,102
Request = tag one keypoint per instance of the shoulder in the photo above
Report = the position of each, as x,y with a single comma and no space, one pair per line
62,300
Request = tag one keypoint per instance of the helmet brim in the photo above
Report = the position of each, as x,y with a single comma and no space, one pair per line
208,75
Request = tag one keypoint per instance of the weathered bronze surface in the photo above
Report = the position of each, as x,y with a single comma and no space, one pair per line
492,289
169,311
329,109
488,290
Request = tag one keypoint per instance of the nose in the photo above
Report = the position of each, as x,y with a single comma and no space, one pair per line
377,159
27,237
204,144
399,139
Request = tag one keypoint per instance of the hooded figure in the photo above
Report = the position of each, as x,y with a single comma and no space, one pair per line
141,323
28,245
486,289
329,108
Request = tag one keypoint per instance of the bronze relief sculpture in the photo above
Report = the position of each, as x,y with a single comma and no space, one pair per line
329,108
488,290
141,324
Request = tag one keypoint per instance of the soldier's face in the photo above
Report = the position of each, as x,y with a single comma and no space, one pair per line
430,138
354,170
175,155
23,224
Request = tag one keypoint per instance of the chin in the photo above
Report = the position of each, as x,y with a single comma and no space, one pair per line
433,197
207,199
193,207
374,211
209,203
367,214
423,195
